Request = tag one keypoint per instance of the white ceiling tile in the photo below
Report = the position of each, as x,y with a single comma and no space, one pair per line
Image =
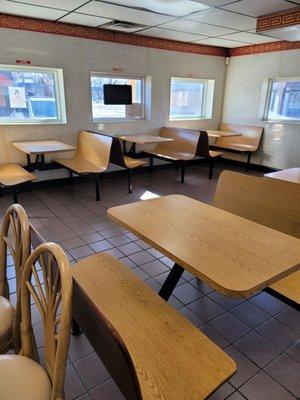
291,33
83,19
215,3
198,28
68,5
221,42
249,37
255,8
177,8
123,13
224,18
27,10
168,34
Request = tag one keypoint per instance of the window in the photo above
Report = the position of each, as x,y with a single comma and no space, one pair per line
107,112
31,95
191,98
283,100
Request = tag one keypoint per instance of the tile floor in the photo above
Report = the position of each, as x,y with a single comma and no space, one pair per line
261,334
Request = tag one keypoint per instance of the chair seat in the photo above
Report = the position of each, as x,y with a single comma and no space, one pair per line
173,155
23,379
215,154
133,162
80,165
14,174
6,319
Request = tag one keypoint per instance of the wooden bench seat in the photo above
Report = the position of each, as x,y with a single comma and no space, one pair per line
270,202
150,349
247,143
187,144
92,157
13,175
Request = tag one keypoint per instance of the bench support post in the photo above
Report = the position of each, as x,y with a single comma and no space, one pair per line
97,186
15,196
71,177
182,171
1,191
75,328
248,161
151,163
211,168
129,170
171,282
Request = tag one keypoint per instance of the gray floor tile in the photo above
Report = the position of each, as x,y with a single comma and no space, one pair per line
258,349
91,371
106,391
268,303
290,317
246,369
263,387
278,333
286,371
250,314
187,293
206,309
229,327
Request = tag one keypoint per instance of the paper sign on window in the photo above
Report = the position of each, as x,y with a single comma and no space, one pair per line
17,97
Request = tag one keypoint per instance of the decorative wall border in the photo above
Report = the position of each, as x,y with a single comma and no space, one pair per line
264,48
277,20
60,28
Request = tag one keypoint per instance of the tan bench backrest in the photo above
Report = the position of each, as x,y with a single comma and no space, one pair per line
251,135
270,202
94,148
185,140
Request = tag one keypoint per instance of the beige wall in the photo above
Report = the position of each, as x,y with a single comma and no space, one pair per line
78,57
280,146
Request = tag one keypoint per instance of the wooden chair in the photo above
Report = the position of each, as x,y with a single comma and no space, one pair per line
92,157
270,202
151,351
248,143
182,149
203,151
117,157
15,237
21,377
13,175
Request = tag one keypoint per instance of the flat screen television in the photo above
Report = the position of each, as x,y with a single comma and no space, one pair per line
117,94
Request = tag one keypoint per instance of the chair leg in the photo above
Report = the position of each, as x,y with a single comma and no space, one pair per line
151,163
15,196
129,180
97,186
182,171
211,168
248,161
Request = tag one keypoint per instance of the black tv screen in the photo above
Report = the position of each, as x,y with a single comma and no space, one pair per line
117,94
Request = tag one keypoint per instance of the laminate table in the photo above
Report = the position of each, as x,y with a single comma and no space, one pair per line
235,256
290,175
39,148
141,139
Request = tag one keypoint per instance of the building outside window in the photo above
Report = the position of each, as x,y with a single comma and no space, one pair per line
190,98
283,101
31,95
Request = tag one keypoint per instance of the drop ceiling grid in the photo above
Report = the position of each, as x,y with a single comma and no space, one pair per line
223,21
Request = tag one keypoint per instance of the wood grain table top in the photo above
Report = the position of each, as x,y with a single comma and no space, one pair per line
291,175
236,256
42,146
173,360
218,134
144,139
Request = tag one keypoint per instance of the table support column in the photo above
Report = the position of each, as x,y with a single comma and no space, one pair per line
171,282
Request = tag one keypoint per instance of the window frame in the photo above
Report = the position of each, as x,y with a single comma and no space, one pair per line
268,95
116,75
60,99
207,103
